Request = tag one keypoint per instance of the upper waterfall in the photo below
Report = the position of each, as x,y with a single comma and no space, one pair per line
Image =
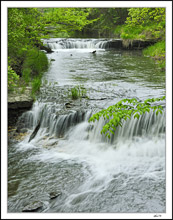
63,43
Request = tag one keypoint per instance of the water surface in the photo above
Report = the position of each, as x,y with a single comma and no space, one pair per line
93,174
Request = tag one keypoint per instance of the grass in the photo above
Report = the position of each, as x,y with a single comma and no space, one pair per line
157,52
36,83
77,92
74,93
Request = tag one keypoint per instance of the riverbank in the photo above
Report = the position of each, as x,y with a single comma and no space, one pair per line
157,52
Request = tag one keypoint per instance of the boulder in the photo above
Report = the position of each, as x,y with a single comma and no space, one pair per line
17,104
33,207
54,195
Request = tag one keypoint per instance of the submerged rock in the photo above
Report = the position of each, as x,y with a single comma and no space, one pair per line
33,207
35,131
54,195
68,105
94,51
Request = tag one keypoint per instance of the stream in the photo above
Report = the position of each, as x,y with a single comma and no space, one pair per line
69,158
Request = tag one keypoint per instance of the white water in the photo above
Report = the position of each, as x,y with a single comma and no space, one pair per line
75,43
94,174
129,160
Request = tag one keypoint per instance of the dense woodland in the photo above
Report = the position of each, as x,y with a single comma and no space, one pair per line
27,26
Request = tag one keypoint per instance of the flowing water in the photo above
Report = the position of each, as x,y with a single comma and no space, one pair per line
69,156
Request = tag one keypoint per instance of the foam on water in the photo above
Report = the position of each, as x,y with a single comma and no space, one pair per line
84,143
61,44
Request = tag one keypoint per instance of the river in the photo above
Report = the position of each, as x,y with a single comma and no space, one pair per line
69,157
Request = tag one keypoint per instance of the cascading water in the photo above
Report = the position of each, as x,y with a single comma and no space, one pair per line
63,152
76,43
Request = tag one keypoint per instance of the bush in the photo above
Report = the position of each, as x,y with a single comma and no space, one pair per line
36,61
26,74
12,79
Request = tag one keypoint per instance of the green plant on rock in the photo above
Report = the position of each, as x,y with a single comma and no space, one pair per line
74,93
124,109
77,92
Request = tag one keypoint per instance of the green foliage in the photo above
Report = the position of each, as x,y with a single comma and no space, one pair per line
131,32
36,83
157,51
105,21
144,23
13,79
74,93
25,26
77,92
145,16
124,109
26,74
65,20
36,62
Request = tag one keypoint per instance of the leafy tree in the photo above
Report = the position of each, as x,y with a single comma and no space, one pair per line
124,109
67,20
145,16
146,23
24,29
106,19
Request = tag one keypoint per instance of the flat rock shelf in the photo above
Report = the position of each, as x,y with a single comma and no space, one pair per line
18,102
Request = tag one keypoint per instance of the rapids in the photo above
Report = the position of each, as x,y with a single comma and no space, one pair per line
125,174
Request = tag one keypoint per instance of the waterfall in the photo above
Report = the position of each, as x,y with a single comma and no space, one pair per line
51,120
60,43
148,124
59,124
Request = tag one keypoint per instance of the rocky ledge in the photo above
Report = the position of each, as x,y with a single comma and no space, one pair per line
18,102
127,44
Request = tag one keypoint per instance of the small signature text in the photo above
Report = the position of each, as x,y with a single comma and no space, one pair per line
157,216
